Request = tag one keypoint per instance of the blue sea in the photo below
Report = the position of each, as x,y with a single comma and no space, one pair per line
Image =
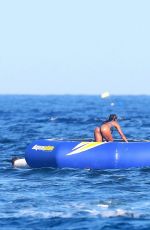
71,198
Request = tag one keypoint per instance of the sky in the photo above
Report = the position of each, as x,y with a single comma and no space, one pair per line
74,46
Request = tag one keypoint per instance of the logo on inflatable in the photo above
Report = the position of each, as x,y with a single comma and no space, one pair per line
43,148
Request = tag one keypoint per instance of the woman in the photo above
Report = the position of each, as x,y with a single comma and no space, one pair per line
104,132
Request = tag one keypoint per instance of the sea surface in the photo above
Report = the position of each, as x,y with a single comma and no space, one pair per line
71,198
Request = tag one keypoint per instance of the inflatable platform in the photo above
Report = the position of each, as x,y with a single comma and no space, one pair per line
87,154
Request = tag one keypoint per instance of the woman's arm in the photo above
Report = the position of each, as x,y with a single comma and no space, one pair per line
117,126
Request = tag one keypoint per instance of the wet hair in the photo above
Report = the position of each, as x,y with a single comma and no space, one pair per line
112,117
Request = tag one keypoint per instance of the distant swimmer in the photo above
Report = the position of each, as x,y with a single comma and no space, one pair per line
104,132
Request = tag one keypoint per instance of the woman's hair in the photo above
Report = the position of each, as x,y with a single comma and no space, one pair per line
112,117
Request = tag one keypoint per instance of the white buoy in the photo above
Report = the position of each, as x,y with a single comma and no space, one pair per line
105,94
19,163
112,104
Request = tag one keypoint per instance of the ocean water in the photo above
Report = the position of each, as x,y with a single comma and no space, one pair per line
71,198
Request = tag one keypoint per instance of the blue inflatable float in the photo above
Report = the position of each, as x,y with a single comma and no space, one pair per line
87,154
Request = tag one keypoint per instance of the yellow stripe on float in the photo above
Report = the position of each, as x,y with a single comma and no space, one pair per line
84,146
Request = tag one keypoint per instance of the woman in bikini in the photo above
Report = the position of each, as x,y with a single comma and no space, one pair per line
104,132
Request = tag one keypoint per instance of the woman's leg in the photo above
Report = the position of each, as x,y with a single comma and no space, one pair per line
97,135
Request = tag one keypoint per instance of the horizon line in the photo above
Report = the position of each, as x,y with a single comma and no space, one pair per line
67,94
